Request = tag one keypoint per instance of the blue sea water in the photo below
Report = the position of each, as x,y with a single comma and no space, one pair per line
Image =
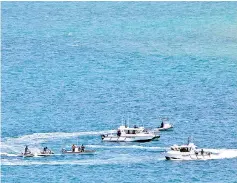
73,70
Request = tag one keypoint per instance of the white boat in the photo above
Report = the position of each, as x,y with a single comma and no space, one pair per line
166,126
187,152
127,134
78,151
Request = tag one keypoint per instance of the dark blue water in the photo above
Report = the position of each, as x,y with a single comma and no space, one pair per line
71,70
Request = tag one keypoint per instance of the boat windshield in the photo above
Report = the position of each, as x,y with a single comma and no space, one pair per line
185,149
130,131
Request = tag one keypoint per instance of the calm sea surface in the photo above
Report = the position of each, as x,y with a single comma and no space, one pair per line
73,70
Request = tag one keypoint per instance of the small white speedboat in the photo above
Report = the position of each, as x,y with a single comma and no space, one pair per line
166,126
78,151
127,134
187,152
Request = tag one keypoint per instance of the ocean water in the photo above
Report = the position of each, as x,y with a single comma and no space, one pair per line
73,70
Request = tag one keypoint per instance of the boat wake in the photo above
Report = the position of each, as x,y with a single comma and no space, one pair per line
223,153
215,154
122,159
11,144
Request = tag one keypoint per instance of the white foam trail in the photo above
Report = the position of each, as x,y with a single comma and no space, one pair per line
42,137
216,154
118,160
10,144
223,153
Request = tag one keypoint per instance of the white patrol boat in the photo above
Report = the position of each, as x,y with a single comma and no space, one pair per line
187,152
127,134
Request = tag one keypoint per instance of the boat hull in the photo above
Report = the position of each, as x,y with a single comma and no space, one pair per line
26,155
86,152
191,156
129,139
45,154
165,129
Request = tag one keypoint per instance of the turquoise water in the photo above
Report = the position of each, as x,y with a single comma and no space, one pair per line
74,70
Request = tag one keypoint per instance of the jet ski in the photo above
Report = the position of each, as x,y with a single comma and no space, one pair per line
26,155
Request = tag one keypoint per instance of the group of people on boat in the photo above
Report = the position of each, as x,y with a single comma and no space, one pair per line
202,153
80,148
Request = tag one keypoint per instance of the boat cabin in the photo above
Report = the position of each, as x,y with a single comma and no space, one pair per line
128,130
183,148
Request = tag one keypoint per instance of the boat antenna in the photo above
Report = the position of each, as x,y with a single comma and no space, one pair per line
128,120
77,140
189,140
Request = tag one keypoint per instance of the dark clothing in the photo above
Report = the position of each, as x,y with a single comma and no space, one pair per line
202,152
119,133
162,124
73,148
27,151
82,148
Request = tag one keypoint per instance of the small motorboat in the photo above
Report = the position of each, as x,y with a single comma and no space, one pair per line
127,134
165,125
78,150
187,152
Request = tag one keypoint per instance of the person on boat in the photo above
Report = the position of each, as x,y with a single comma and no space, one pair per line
27,151
162,124
82,148
135,126
79,148
202,152
118,133
44,150
73,148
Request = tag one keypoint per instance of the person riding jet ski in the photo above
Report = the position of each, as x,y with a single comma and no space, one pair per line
27,151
